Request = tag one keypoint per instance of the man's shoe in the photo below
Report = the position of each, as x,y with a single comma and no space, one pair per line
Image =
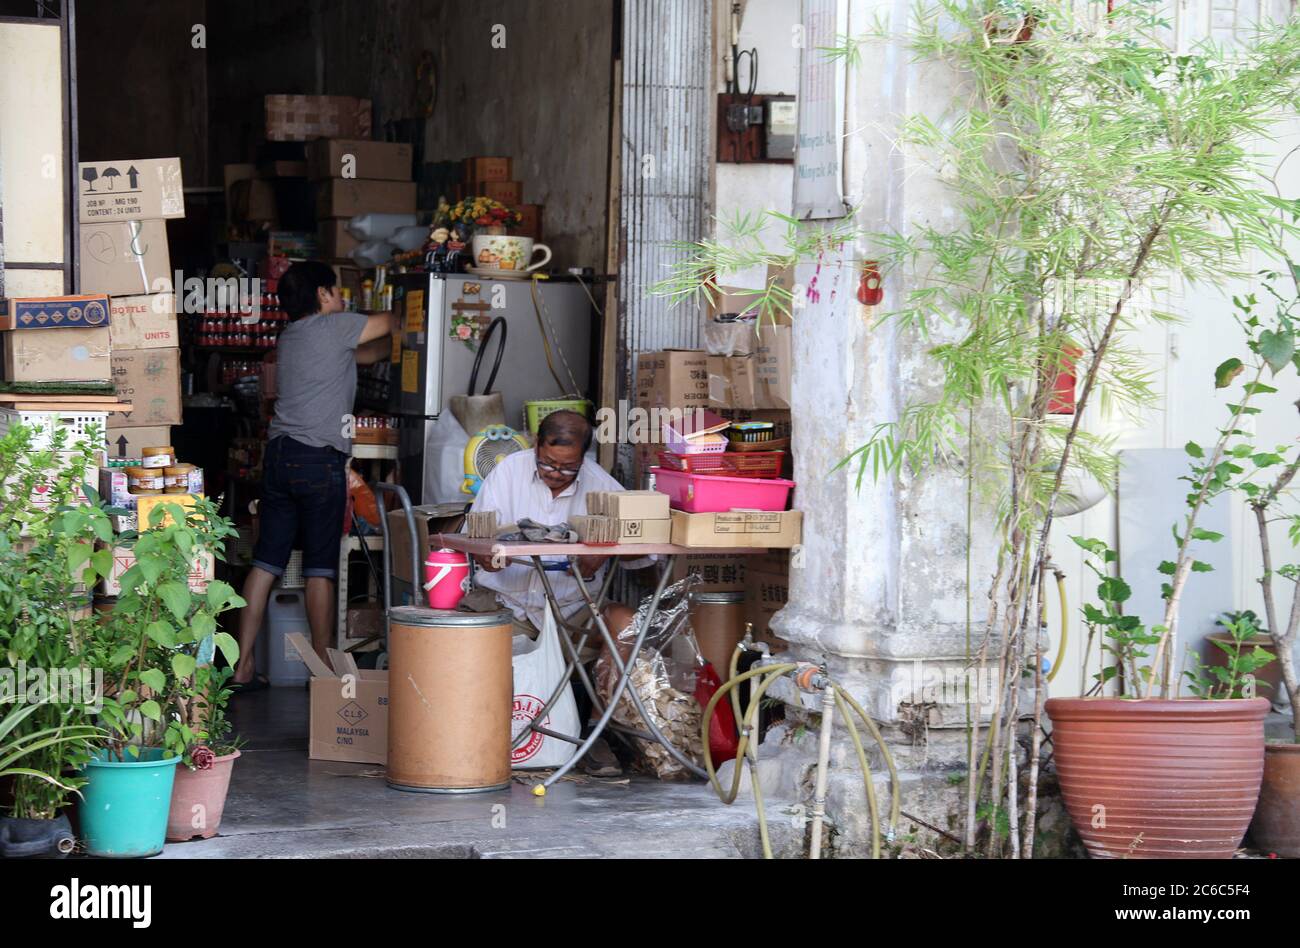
601,762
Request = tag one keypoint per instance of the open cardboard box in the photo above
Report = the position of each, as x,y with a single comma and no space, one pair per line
349,708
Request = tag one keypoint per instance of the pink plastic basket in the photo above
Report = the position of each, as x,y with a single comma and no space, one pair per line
709,493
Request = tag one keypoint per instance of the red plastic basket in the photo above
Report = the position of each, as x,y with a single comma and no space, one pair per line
728,464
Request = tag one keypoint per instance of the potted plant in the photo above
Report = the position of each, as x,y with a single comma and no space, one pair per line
34,836
1148,776
199,796
1276,827
1170,776
1269,677
47,563
159,634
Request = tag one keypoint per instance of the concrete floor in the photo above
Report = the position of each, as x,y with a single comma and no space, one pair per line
282,805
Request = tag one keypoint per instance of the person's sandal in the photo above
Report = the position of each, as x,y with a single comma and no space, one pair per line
601,762
256,683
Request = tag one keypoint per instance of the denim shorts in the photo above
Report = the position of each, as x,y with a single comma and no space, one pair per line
304,497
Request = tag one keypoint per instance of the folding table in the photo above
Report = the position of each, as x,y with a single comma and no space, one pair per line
502,552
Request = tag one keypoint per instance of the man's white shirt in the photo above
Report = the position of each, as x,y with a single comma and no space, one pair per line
515,492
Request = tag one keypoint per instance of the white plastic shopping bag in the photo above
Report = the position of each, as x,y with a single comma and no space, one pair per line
539,666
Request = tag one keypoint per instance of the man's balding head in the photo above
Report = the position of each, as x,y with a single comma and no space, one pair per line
565,429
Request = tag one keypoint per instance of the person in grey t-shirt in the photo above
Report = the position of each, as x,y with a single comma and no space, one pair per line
304,466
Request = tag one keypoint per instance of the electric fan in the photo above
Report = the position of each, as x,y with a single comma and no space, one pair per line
483,452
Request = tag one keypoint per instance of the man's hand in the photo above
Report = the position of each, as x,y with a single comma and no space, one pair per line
587,565
485,562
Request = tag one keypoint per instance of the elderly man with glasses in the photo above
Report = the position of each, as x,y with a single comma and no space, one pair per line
548,485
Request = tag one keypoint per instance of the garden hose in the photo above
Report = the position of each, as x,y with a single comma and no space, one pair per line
1065,627
809,678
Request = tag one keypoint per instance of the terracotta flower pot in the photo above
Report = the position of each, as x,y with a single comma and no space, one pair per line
198,799
1276,828
1157,778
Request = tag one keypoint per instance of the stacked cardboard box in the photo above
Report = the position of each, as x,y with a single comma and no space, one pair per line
767,589
56,339
125,255
633,516
493,177
353,177
304,118
750,381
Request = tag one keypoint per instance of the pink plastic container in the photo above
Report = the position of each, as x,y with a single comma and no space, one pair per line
446,578
708,493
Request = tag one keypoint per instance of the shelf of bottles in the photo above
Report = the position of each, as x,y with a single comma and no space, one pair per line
239,332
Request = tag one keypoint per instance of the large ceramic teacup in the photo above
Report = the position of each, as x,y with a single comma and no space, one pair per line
502,252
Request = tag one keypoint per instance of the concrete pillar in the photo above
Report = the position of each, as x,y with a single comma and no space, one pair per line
880,591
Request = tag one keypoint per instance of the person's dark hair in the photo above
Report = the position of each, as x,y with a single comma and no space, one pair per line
298,286
564,428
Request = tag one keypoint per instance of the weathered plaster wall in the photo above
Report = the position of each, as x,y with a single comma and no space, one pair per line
543,99
142,85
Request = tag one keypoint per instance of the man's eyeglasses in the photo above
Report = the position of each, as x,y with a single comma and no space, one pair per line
549,469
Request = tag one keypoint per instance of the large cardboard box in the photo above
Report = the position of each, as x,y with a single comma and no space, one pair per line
144,322
253,200
69,355
530,221
302,118
202,572
757,381
349,715
638,505
717,573
486,168
348,197
150,379
673,378
128,443
125,259
766,591
645,531
333,241
427,528
738,529
134,189
356,158
54,312
509,193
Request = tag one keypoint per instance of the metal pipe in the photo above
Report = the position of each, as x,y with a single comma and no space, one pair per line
823,768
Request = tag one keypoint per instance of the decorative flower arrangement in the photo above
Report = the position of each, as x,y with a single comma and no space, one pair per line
483,212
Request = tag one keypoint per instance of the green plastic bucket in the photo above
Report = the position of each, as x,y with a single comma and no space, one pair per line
125,804
535,411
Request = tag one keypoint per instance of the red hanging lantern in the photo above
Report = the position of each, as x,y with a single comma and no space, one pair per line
871,288
1061,401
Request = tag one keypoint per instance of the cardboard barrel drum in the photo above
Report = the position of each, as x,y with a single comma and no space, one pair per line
718,620
450,692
